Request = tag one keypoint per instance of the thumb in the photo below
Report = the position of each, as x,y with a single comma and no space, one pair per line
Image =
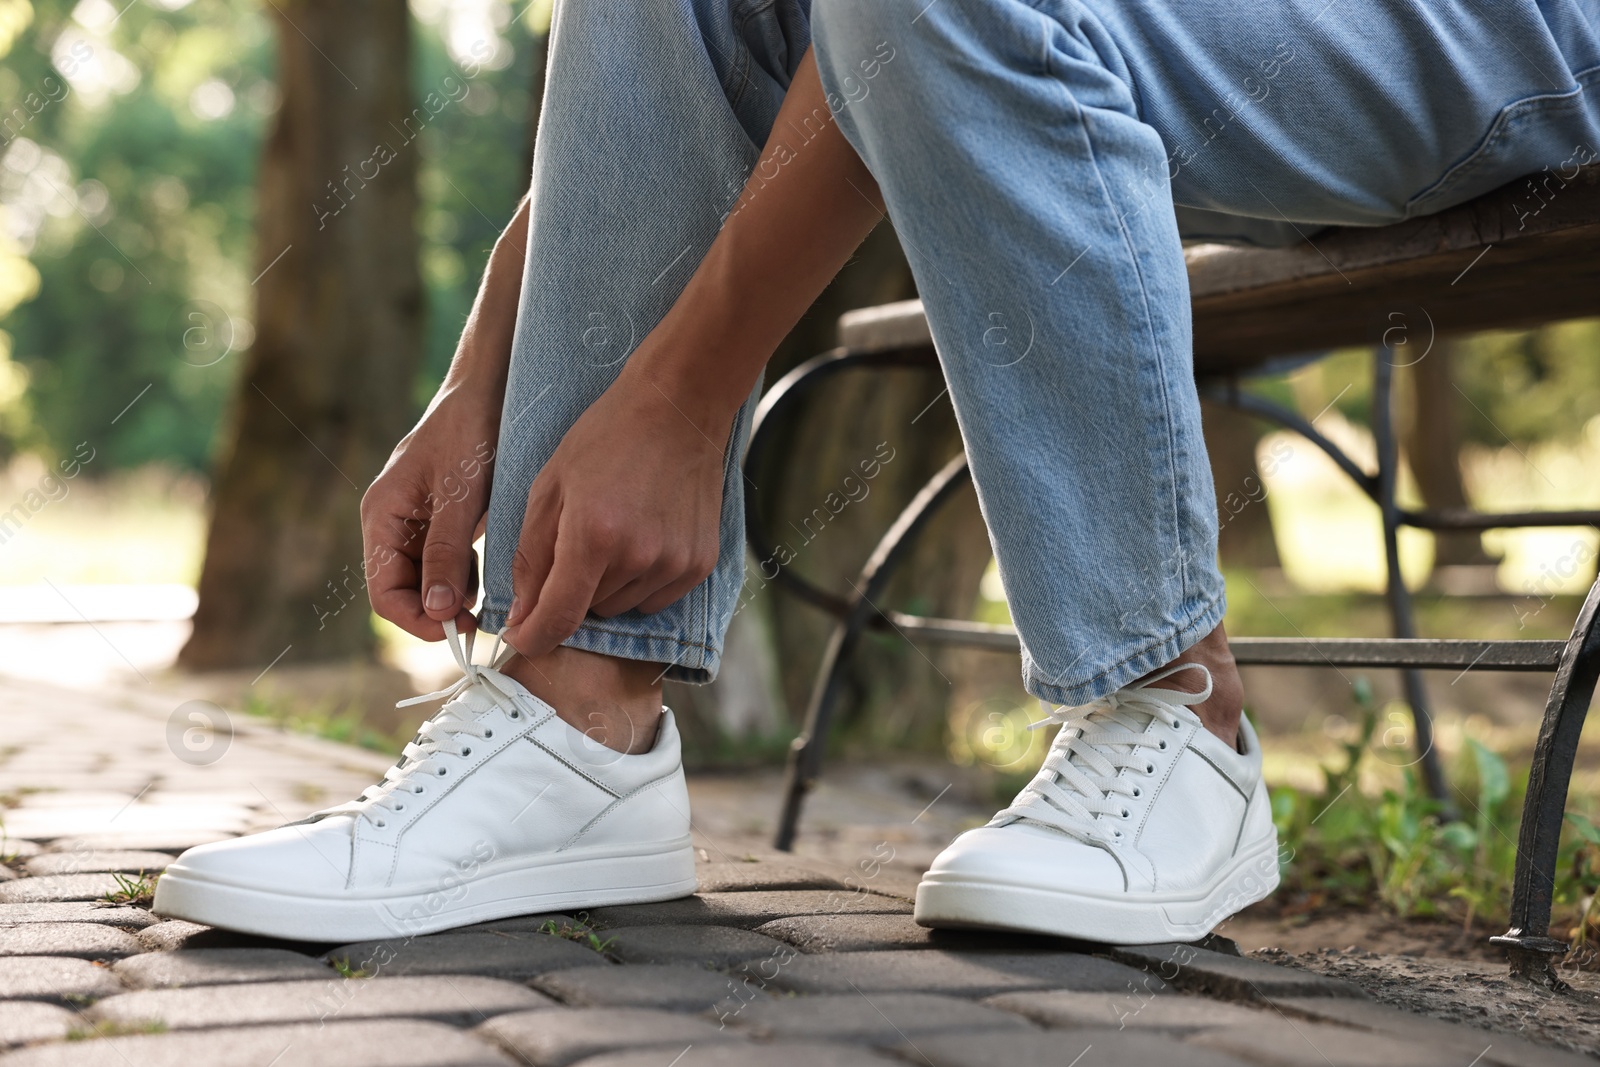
447,562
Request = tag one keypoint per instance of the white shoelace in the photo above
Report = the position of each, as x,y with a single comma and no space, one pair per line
1081,788
448,733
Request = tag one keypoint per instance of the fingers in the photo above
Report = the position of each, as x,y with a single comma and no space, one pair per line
563,600
390,563
448,562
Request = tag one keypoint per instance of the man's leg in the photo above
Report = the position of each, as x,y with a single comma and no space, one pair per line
1029,155
653,117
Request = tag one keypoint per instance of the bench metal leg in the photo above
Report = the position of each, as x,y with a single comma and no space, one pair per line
1533,952
1399,597
807,751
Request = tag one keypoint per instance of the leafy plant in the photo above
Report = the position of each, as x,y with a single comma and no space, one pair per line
580,935
140,889
347,969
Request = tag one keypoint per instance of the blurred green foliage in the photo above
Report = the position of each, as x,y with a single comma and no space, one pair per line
1345,847
129,146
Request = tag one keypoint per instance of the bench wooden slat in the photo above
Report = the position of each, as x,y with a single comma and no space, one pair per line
1517,257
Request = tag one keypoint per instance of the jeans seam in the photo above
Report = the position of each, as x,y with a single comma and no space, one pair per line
736,93
1505,121
1146,650
592,628
1161,376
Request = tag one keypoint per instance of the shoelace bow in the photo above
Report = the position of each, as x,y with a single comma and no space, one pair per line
1081,787
446,734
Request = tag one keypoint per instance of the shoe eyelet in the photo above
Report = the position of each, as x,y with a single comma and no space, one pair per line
1117,834
443,771
382,824
418,790
399,807
487,734
1126,813
515,715
1149,768
1136,791
1162,746
466,752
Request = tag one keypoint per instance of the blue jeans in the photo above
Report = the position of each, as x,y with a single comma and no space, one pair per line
1042,162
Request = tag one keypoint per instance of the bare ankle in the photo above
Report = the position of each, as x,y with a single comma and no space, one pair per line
1221,710
612,701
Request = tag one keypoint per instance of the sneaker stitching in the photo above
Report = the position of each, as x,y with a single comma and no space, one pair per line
569,765
615,804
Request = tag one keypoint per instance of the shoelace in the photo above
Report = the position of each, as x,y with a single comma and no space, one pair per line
1080,787
448,733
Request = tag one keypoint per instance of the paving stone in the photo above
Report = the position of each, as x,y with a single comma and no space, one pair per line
1198,970
709,946
1281,1042
1111,1048
672,986
217,966
860,933
747,909
114,824
174,840
15,848
565,1035
121,915
58,887
529,924
88,862
91,941
1127,1009
966,974
881,1019
461,1000
742,876
24,1021
1467,1041
8,875
403,1044
496,954
54,978
173,934
735,1055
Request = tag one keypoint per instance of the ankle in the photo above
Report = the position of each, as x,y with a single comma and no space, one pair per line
612,701
1220,712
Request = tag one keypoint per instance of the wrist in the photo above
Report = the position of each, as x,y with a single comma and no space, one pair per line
685,372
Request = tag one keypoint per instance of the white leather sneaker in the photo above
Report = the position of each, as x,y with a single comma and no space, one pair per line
496,808
1142,826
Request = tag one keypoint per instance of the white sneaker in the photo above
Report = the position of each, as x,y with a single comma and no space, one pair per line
1142,826
496,808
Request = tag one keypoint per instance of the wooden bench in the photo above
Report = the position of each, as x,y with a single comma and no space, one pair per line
1524,255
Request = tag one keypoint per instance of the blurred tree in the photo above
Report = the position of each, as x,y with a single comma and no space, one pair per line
327,386
1430,422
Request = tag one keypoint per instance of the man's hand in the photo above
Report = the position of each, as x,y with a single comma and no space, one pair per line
422,514
624,515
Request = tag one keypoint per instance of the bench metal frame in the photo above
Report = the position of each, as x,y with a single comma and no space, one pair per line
1250,306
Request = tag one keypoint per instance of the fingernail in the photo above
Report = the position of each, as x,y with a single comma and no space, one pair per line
439,598
516,610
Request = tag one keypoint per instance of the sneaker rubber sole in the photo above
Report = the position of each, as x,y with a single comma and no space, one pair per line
1120,919
558,882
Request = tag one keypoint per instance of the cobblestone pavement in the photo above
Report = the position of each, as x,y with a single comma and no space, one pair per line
778,959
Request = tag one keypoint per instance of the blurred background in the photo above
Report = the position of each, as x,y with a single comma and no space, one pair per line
238,241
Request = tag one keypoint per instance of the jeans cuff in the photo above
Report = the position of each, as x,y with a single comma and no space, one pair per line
687,661
1109,679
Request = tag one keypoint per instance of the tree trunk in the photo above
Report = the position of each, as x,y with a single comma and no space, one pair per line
862,418
1244,536
326,389
1432,437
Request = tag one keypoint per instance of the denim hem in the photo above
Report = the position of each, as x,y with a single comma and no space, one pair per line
689,661
1114,677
